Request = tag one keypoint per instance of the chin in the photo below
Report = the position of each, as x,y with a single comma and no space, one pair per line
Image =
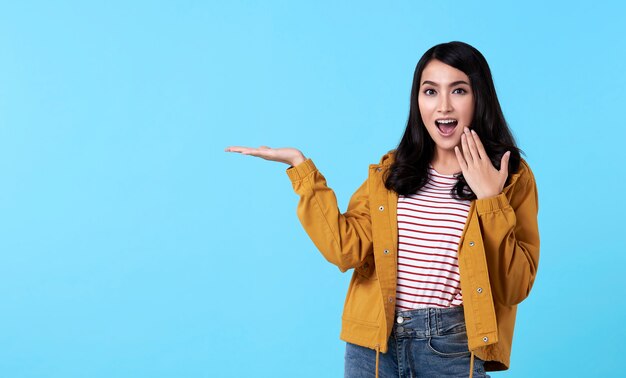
449,144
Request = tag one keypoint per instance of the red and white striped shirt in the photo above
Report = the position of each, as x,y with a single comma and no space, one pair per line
430,224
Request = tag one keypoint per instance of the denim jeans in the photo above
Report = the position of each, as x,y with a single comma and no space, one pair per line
428,342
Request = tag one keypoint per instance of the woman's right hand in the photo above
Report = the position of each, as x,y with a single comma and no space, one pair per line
288,155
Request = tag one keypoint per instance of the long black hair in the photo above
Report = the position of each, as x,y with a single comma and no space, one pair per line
409,172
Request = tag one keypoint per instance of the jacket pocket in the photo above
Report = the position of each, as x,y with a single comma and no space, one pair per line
363,302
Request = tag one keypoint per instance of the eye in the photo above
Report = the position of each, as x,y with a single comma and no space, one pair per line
459,91
429,92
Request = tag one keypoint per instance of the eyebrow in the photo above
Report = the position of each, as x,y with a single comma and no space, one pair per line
451,84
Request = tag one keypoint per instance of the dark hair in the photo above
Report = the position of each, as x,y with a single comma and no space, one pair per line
409,172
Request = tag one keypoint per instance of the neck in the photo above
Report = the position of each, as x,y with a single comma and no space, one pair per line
445,162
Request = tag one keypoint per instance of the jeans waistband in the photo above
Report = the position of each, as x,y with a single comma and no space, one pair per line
427,322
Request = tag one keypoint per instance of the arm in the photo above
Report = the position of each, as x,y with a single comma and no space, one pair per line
508,223
344,239
511,239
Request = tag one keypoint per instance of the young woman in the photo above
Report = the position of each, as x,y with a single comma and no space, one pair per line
442,236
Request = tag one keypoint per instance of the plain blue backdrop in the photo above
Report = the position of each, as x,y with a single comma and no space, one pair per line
131,245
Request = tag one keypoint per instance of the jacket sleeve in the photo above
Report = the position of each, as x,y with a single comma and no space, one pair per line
511,239
344,239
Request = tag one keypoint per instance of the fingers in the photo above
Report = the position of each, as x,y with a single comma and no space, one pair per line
283,155
479,145
239,149
262,152
472,150
504,164
246,150
460,158
235,149
467,154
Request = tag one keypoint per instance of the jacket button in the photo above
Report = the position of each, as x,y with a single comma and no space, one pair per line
485,339
386,251
390,299
381,208
479,290
471,244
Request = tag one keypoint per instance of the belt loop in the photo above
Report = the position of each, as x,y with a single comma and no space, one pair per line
433,327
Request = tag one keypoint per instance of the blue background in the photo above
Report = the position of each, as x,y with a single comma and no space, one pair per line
131,245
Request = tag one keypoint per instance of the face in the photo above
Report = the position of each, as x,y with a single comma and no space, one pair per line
446,103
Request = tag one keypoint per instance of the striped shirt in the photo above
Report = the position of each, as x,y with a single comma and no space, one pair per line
430,225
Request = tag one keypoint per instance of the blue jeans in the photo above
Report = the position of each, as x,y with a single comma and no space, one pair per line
428,342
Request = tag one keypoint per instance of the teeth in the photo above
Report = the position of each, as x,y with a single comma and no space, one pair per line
446,121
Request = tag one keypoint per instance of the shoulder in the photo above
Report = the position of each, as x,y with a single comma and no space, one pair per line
524,173
522,183
387,159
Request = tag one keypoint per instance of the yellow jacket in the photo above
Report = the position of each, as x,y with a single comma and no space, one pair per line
498,256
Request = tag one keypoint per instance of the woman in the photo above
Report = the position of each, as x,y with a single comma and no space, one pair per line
442,236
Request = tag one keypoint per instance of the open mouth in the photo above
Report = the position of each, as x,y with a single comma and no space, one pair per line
446,126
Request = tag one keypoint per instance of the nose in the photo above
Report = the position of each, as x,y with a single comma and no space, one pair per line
445,106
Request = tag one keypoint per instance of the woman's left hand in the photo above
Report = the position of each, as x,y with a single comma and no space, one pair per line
481,176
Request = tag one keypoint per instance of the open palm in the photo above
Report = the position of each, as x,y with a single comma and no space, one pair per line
288,155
